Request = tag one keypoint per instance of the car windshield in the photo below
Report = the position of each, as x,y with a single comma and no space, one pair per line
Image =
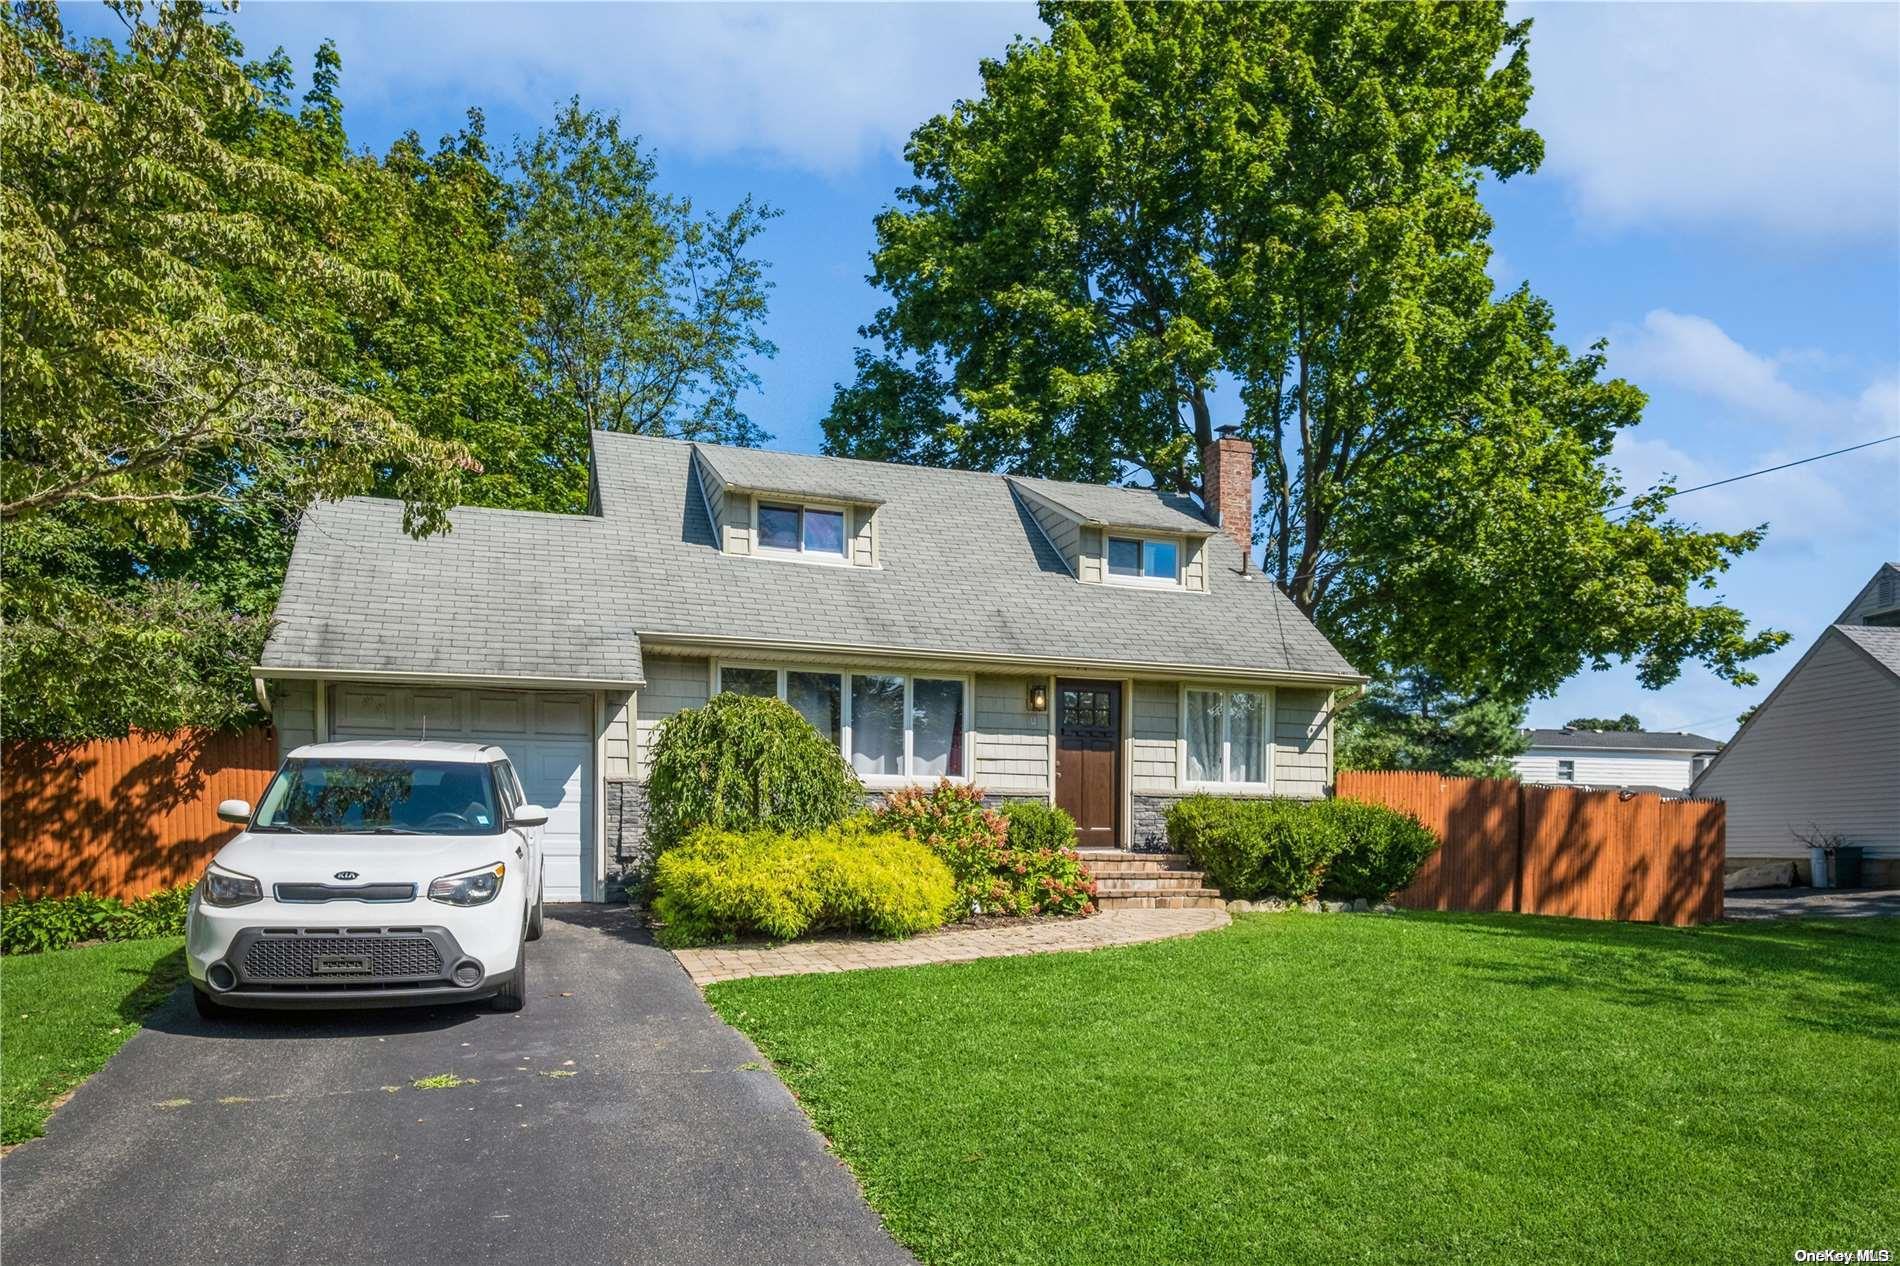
380,797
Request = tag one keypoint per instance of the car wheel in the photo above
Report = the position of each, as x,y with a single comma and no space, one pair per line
535,915
515,991
209,1008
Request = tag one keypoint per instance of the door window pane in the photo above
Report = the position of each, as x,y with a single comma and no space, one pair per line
819,699
749,681
1159,560
1203,736
824,531
877,724
936,719
1124,557
778,527
1246,737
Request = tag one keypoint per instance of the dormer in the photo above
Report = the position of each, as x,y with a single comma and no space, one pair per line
1120,536
793,512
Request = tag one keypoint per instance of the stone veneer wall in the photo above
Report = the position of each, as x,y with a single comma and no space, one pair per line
629,853
1149,830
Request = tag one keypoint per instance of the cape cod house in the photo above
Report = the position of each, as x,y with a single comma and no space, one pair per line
1110,649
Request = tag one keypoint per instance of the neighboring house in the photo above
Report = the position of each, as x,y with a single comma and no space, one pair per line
1823,750
1109,649
1614,758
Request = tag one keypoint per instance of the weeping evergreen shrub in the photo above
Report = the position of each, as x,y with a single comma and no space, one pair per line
746,764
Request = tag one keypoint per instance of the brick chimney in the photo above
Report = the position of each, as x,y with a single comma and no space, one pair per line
1227,478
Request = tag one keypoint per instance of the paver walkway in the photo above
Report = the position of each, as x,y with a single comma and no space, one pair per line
954,945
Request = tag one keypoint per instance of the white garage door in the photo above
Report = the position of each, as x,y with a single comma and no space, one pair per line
548,736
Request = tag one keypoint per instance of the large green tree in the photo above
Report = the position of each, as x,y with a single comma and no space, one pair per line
644,317
1411,720
1158,207
217,312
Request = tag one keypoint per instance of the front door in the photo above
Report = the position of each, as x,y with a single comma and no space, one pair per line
1088,759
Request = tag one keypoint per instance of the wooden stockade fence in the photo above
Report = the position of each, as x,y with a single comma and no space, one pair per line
122,817
1556,850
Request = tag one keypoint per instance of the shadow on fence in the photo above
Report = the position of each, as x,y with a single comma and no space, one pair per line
123,817
1556,850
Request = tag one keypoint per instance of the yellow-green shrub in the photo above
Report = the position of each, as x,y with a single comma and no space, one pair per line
717,885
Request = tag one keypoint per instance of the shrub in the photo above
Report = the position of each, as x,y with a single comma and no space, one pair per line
746,764
1037,824
1382,850
1256,848
1298,848
996,873
32,925
716,885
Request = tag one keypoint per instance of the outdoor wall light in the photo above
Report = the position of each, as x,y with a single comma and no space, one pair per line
1038,696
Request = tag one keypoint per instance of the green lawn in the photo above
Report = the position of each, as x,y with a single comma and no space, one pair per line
66,1012
1415,1088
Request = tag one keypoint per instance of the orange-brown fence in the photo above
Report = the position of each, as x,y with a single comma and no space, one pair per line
1556,850
122,817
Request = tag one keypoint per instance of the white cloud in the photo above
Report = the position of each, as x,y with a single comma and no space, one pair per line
1696,354
816,87
1764,116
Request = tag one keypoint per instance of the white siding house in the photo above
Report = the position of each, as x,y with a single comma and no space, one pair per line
1599,758
1823,750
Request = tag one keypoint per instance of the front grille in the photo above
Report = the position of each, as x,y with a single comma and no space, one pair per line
340,892
297,957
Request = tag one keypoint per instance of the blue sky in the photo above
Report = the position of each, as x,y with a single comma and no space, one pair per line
1720,199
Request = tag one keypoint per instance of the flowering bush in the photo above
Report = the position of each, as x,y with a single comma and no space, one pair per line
993,875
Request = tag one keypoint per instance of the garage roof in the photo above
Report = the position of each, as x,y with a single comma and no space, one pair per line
963,573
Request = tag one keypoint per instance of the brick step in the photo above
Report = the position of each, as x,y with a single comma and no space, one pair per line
1144,870
1090,856
1156,901
1183,881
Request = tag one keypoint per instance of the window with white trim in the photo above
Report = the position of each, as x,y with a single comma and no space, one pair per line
1226,736
1566,771
891,727
820,532
1143,560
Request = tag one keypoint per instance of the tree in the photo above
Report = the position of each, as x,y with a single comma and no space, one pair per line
1413,721
1628,723
140,380
642,315
1158,202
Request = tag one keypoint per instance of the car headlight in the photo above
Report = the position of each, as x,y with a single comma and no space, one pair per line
228,888
468,887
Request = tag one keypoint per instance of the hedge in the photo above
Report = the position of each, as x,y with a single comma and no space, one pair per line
1300,849
718,885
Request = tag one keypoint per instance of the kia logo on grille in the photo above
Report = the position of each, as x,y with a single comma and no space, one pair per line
344,874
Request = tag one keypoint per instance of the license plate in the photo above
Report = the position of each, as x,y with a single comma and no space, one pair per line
339,965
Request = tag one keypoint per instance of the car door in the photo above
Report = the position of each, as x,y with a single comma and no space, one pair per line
512,791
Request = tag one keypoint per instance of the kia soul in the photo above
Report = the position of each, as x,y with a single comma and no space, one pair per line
382,873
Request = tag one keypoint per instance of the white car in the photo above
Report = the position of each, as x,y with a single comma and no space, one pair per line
372,874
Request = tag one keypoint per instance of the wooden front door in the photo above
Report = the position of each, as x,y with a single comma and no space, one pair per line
1088,759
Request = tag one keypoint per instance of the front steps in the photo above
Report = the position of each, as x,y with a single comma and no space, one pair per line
1126,880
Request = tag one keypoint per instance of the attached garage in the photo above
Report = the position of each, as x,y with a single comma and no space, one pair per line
549,735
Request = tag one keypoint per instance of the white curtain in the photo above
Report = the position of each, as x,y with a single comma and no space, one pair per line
936,719
1246,737
877,724
1203,736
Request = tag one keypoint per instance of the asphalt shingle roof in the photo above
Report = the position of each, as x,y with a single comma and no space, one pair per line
963,571
795,474
1880,641
1122,507
1624,741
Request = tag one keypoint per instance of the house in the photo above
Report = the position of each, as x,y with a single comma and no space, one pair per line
1109,649
1823,749
1614,758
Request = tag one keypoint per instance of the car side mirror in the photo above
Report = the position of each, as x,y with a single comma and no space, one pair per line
529,815
237,812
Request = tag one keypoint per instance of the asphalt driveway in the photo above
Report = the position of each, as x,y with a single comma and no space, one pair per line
614,1119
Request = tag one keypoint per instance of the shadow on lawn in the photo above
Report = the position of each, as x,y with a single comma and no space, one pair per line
1840,976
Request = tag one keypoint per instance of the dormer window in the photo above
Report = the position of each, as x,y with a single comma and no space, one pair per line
815,531
1144,560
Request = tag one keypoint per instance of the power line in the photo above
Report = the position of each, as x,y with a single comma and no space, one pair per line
1766,470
